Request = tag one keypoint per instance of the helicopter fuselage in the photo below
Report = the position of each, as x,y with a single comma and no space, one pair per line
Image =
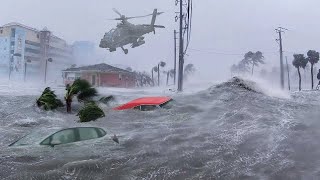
125,34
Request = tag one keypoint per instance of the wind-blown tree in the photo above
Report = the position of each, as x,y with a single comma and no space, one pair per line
48,100
298,62
257,59
170,74
254,59
313,58
80,88
154,69
157,69
189,69
90,112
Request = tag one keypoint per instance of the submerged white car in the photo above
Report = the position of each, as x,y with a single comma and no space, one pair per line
59,136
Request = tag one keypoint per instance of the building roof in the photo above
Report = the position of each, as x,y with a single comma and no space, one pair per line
98,68
144,101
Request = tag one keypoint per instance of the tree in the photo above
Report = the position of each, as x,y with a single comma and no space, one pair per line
189,69
90,112
254,59
80,88
48,100
313,58
170,74
157,69
298,62
257,59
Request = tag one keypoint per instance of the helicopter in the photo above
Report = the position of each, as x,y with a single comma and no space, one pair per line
127,33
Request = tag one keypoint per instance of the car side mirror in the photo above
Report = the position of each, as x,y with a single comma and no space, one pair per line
115,139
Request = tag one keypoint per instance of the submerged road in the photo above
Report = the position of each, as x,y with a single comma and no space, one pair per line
232,130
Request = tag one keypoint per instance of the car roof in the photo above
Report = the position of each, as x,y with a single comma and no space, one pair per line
41,134
144,101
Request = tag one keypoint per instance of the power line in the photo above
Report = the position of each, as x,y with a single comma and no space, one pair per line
227,54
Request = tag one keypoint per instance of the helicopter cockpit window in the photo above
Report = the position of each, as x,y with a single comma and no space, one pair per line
109,35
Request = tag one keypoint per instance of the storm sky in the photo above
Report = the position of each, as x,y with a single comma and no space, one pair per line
223,30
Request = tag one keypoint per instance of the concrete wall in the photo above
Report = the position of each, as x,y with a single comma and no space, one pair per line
116,80
104,79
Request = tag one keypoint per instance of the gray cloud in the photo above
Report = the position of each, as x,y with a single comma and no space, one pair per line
222,29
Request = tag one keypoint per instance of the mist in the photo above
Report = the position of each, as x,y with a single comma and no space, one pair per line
221,33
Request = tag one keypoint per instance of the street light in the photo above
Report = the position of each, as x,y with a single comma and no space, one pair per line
25,68
45,72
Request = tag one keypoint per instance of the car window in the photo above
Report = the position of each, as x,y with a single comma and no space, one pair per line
148,107
167,105
62,137
137,108
88,133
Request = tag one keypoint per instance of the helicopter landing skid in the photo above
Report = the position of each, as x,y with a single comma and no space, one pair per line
125,50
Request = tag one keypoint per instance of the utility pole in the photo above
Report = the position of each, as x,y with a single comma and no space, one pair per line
280,30
288,73
175,57
181,53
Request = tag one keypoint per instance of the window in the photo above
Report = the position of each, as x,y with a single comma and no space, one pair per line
61,137
167,105
120,76
1,31
88,133
13,32
148,107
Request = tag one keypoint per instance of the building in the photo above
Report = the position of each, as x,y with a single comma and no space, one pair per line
83,52
101,75
24,51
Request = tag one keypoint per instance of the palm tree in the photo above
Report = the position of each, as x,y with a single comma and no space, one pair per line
257,59
299,61
313,58
170,74
253,58
157,69
80,88
48,100
188,70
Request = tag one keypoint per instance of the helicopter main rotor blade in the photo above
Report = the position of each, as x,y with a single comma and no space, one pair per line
116,11
143,16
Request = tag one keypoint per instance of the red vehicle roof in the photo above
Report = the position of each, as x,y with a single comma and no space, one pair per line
143,101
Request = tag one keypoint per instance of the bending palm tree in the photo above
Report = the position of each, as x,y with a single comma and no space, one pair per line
298,62
313,58
80,88
48,100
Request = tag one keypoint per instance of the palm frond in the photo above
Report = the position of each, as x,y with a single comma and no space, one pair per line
87,94
48,100
90,112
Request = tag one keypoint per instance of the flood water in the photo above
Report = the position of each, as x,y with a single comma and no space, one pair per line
233,130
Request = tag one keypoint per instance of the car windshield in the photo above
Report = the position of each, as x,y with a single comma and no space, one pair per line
32,138
167,105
